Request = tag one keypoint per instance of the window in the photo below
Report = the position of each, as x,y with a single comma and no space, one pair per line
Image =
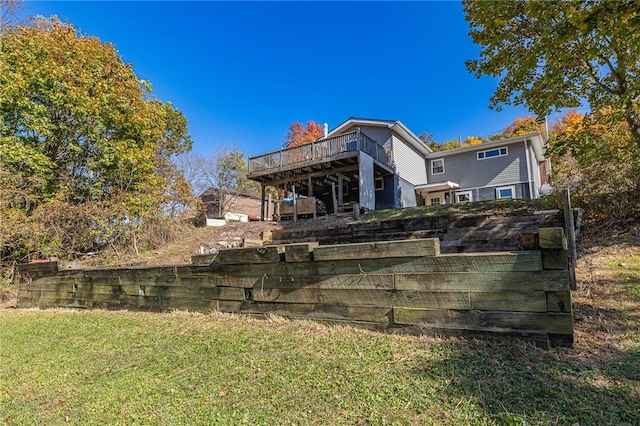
379,182
437,166
506,192
498,152
435,201
463,197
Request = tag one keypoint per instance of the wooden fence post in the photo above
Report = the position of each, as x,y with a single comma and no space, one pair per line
571,236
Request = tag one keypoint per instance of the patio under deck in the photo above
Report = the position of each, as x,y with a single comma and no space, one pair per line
315,168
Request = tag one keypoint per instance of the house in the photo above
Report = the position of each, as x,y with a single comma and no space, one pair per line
235,206
382,164
506,168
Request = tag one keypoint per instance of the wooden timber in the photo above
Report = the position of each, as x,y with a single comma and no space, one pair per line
457,233
378,250
383,285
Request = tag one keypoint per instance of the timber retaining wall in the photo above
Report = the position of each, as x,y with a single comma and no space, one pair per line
402,285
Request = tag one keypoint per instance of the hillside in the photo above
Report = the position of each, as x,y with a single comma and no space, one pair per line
232,234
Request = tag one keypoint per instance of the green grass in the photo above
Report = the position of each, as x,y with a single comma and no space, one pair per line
510,207
628,269
100,367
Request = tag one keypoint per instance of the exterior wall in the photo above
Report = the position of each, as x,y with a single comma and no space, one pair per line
542,171
410,164
489,193
482,177
406,193
441,195
386,198
244,205
465,168
367,196
382,135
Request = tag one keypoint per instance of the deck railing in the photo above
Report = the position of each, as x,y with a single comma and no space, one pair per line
320,150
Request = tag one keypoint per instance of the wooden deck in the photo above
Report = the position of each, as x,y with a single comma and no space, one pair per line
318,152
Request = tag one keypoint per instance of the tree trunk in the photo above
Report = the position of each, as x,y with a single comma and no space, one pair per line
221,201
633,120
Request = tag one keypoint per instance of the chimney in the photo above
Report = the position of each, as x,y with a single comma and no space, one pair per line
326,130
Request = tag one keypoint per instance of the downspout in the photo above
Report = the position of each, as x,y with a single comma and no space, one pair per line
529,178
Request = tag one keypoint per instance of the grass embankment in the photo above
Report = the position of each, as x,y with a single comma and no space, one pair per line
98,367
504,207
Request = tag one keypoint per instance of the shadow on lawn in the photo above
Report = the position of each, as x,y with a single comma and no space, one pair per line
516,384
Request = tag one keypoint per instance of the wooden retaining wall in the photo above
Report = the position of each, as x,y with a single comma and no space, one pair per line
402,285
458,232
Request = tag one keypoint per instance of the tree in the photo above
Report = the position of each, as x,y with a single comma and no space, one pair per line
520,126
83,120
299,135
79,128
8,13
429,141
594,156
457,143
557,54
227,174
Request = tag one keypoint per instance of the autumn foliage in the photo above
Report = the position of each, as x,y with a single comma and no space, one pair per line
523,126
299,135
86,151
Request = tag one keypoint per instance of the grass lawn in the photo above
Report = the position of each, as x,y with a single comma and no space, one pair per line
101,367
502,207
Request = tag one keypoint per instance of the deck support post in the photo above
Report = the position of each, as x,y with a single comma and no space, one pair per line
333,194
262,202
295,204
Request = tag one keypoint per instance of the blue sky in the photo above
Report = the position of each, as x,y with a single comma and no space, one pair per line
242,72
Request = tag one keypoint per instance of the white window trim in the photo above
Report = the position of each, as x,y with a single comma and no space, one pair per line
433,161
495,156
469,193
511,187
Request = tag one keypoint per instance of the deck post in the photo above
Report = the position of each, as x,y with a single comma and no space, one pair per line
333,193
295,204
262,202
340,189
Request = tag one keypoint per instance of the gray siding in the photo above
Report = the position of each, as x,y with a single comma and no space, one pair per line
409,163
465,168
382,135
489,193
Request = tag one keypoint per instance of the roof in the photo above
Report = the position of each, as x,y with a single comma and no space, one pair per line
536,140
438,186
211,191
395,125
